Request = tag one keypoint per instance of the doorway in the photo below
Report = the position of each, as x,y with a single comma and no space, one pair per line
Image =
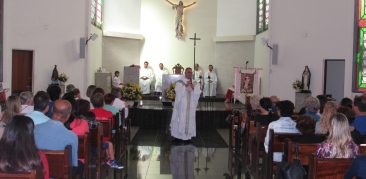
22,71
334,78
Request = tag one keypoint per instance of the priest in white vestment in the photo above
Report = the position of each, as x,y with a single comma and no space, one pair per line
183,123
210,80
198,75
146,77
159,78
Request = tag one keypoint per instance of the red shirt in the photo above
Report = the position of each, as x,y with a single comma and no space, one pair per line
79,126
102,114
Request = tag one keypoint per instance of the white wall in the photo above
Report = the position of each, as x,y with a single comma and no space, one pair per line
307,32
122,16
52,29
94,58
263,60
236,17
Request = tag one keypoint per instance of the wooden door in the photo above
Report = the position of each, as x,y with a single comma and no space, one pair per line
22,71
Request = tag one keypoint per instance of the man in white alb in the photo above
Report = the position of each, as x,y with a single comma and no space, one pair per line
116,81
198,75
159,78
183,122
210,80
146,77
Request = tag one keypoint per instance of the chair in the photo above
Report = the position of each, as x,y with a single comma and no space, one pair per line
96,135
59,162
320,168
84,152
178,69
31,175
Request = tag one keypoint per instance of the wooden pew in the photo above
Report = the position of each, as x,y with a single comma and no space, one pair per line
96,135
107,128
60,163
320,168
84,152
31,175
258,151
276,144
304,151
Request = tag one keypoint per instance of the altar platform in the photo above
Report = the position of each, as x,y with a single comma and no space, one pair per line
210,114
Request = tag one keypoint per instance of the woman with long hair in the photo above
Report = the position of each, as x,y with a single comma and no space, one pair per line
339,143
323,125
13,107
18,151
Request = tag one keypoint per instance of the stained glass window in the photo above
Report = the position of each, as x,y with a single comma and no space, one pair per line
262,15
360,59
97,13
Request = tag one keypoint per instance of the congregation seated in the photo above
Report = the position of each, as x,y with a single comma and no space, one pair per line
360,109
12,108
18,151
118,102
54,92
306,127
89,91
265,115
109,98
284,124
323,125
41,106
348,112
312,106
26,100
339,143
53,135
98,102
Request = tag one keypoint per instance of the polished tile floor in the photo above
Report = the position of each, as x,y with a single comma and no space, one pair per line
152,155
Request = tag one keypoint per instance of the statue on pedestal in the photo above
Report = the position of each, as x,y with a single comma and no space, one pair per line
54,77
306,76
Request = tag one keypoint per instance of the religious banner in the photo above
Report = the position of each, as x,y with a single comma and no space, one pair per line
246,82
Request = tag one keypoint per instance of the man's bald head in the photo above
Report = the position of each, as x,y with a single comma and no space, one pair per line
61,110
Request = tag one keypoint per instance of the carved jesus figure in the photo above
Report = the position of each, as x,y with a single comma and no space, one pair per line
179,18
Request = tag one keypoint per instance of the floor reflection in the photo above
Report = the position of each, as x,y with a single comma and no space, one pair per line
205,158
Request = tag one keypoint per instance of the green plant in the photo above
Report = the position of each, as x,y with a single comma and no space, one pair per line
170,92
296,85
62,77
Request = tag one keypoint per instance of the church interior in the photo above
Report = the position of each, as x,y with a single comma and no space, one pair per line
269,43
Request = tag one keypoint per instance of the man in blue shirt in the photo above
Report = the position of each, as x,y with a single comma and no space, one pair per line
53,135
40,101
358,168
360,110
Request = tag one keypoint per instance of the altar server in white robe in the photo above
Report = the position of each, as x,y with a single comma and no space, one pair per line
146,77
198,75
210,80
183,123
159,78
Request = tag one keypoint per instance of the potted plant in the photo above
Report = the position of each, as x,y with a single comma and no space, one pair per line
62,78
170,92
132,93
296,85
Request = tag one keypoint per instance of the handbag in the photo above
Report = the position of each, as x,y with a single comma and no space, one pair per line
294,170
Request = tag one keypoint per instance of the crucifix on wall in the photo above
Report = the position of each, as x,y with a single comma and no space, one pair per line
179,31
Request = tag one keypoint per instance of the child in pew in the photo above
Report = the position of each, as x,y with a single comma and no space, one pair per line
80,126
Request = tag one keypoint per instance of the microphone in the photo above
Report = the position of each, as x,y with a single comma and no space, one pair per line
209,77
246,64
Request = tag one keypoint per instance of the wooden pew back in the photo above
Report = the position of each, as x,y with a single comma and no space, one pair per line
304,151
31,175
59,162
84,152
320,168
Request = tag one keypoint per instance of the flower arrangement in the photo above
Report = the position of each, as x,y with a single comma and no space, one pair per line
62,77
131,91
170,92
296,85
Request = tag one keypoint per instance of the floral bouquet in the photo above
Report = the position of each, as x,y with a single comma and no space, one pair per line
62,77
296,85
131,91
170,92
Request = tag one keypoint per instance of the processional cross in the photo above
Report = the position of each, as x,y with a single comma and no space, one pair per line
194,50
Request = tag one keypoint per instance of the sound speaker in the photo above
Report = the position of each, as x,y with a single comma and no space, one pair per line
274,54
82,47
